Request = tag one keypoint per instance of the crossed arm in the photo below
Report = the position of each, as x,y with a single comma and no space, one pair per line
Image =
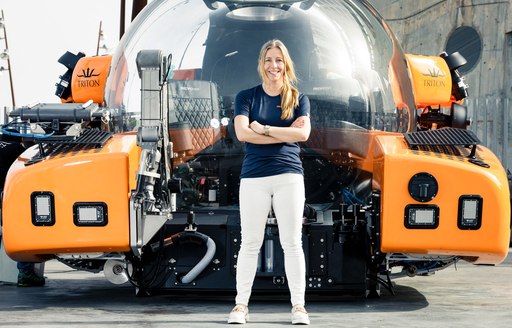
255,131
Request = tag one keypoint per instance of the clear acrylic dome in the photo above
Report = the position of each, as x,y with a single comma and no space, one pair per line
347,61
344,54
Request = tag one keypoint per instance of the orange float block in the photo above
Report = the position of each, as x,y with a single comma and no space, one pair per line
486,243
43,201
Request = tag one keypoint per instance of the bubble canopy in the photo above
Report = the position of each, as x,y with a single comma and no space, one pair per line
345,56
347,62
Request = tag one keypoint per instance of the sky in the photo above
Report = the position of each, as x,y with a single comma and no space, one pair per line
39,32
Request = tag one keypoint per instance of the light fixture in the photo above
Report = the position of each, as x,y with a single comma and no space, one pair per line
419,216
43,208
90,214
470,212
224,121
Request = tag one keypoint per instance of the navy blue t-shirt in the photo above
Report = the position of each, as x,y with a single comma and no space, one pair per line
272,159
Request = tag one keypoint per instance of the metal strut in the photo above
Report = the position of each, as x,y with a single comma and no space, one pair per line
149,204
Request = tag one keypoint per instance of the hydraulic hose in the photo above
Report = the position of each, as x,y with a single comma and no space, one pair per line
201,265
192,237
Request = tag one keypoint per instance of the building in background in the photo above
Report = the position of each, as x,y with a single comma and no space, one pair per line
481,30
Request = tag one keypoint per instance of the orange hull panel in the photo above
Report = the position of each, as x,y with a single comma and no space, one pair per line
395,164
100,175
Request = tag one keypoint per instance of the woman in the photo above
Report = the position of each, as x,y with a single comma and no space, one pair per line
271,119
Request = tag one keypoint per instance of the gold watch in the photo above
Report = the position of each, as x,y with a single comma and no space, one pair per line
266,129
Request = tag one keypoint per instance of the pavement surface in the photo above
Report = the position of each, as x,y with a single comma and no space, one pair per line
459,296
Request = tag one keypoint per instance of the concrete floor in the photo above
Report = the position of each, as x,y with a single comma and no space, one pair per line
461,296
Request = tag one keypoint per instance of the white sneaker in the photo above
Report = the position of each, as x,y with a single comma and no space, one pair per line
239,314
299,315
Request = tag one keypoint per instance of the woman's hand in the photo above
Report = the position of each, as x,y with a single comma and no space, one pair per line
257,127
254,132
299,122
260,129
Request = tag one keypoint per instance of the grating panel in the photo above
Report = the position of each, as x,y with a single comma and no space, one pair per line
89,139
441,137
93,137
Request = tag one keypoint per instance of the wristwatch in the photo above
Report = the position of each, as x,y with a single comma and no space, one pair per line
266,129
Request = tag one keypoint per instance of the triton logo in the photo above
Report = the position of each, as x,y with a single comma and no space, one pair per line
433,83
89,83
88,73
434,72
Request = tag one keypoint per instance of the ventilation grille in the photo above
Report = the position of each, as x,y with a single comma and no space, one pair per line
89,139
93,137
441,137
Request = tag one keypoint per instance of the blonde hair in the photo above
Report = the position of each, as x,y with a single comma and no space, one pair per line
290,93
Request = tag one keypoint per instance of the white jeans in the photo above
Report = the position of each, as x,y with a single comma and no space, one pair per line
285,193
